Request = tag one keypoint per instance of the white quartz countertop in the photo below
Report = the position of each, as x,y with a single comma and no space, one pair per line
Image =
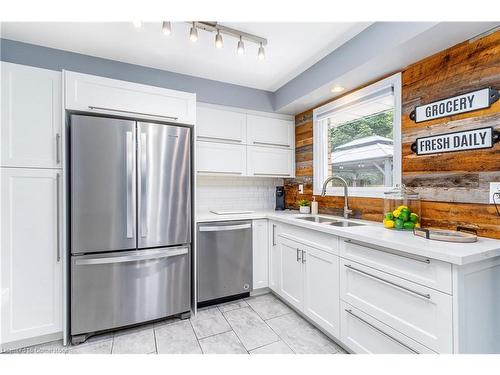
375,234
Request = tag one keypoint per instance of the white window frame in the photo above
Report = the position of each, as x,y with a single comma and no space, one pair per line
320,139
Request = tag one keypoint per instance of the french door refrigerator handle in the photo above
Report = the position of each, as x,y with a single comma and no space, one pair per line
130,185
143,152
161,254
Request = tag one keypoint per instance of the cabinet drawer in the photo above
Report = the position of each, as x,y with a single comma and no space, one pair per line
220,126
363,334
429,272
423,314
220,158
268,161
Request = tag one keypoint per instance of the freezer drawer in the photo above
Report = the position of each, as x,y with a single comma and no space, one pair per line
224,259
123,288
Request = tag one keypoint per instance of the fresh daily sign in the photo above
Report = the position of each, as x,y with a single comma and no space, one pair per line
459,141
458,104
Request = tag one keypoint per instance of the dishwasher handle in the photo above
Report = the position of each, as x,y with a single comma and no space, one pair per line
222,228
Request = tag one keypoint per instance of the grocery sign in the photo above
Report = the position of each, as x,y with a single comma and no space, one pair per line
457,141
468,102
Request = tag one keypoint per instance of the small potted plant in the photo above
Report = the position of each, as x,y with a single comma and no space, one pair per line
304,207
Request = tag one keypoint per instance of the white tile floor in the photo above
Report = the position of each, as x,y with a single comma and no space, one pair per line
255,325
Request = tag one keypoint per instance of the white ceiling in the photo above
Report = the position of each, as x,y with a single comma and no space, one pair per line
292,47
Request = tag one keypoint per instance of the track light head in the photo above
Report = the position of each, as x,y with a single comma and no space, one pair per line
261,54
218,40
241,47
166,28
193,34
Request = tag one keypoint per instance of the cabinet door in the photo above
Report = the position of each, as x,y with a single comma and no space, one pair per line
219,158
220,125
269,131
268,161
260,254
31,269
84,92
31,117
291,277
321,288
274,258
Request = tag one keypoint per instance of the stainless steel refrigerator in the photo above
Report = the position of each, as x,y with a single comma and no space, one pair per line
130,222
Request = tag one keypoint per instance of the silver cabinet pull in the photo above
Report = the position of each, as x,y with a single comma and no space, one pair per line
272,174
270,144
130,185
298,254
397,253
218,172
58,216
202,137
222,228
349,311
424,295
274,234
58,148
303,256
143,186
132,112
132,258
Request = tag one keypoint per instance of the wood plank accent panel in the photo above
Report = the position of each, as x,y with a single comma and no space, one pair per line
454,186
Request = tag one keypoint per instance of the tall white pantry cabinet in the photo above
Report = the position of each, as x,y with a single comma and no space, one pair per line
31,205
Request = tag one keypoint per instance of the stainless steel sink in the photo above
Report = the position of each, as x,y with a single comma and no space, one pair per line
329,221
345,224
317,219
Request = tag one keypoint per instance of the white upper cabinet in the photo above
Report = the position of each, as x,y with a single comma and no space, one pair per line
220,158
269,162
269,131
85,92
31,266
220,125
266,141
31,117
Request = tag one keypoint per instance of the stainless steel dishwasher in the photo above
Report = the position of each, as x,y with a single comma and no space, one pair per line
224,259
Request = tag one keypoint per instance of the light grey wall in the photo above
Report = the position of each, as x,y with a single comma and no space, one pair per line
207,91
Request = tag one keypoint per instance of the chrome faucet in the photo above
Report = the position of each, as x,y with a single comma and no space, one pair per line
347,211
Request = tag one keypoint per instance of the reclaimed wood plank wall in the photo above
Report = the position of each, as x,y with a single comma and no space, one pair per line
454,187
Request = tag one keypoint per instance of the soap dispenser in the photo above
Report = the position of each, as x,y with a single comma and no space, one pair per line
314,206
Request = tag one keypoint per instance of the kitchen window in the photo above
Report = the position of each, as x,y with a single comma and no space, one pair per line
358,137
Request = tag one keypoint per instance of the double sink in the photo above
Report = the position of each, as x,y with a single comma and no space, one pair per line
329,221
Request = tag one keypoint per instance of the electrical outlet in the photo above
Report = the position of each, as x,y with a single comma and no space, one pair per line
494,188
301,189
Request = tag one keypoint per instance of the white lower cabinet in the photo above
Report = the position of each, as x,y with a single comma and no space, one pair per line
414,310
321,288
291,276
31,267
274,257
260,254
220,158
363,334
308,279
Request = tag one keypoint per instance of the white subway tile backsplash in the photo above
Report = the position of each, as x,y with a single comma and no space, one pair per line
236,193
